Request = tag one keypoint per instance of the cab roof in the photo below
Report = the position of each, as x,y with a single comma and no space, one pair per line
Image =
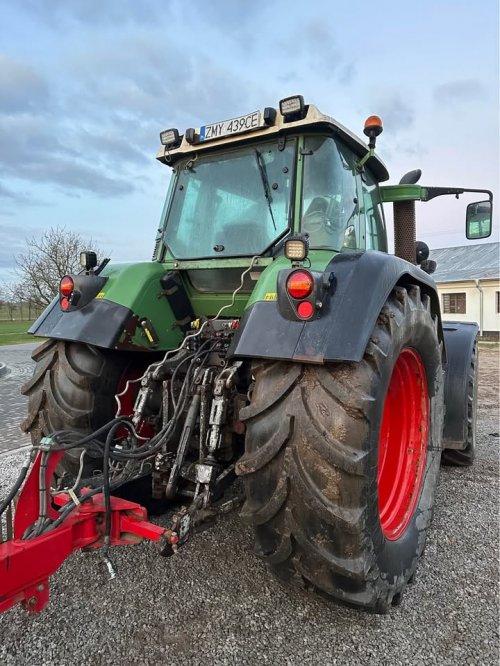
313,120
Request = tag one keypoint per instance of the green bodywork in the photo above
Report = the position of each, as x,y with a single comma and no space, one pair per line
138,288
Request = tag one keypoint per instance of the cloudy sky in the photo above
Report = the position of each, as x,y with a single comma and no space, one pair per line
86,86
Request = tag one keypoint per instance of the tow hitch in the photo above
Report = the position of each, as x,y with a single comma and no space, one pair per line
191,401
45,529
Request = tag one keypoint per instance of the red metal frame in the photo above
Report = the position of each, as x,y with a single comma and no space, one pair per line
25,565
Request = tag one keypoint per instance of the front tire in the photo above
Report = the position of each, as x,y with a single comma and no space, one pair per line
325,514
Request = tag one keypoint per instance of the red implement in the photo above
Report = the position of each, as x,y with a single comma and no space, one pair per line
27,563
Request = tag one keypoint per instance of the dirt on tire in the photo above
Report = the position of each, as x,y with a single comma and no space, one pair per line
310,466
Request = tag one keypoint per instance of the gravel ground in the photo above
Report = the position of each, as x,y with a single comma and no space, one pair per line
215,603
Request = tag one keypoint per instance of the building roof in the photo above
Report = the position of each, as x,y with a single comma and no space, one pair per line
467,262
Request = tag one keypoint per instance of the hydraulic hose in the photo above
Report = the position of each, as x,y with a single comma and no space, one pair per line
15,488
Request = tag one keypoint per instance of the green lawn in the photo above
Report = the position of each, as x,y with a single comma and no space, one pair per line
14,332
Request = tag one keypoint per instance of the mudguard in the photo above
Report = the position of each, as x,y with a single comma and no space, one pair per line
131,312
363,281
459,340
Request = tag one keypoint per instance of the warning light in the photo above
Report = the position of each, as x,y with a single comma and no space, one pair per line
373,127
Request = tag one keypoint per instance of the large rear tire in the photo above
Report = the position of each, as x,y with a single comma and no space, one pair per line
73,388
465,457
342,460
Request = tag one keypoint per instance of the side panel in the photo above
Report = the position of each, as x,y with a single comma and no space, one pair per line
459,339
341,333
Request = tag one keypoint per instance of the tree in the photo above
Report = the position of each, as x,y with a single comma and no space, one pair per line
49,258
8,299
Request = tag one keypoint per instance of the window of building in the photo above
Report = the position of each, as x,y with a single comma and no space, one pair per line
498,301
454,303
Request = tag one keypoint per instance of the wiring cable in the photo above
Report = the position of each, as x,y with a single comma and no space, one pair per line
127,451
17,485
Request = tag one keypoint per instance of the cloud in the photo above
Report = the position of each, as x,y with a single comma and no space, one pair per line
312,48
13,244
317,39
459,91
155,81
7,193
30,153
22,88
347,73
71,175
397,114
92,13
96,129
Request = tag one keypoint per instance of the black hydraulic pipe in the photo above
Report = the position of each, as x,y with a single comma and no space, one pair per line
16,486
189,424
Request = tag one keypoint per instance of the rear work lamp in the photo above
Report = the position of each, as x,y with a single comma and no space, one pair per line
296,248
88,260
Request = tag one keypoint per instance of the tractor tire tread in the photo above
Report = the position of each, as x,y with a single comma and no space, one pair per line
307,469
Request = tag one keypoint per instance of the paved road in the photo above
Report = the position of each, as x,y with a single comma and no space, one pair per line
17,358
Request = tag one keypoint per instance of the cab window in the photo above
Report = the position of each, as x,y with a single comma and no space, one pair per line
233,203
375,231
330,208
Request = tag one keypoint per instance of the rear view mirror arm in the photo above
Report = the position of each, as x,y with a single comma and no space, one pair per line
432,192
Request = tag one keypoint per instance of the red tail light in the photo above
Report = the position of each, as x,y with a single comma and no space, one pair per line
66,286
64,303
300,284
305,309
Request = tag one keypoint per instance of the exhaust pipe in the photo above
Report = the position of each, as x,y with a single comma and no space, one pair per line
405,231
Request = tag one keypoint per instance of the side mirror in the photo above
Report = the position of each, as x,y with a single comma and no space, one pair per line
478,220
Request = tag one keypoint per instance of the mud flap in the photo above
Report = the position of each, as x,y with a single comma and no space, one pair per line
459,340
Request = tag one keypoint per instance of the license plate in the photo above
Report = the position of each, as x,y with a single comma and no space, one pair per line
252,121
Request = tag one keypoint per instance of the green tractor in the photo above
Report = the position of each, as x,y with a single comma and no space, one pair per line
271,337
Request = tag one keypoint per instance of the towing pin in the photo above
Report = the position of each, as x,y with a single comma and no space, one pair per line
109,565
105,558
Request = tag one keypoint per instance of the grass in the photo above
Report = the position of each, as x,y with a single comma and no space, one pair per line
14,332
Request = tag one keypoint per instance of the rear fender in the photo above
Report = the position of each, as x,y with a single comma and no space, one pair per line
361,284
459,340
131,312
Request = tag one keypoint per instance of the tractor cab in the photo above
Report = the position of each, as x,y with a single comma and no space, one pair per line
239,187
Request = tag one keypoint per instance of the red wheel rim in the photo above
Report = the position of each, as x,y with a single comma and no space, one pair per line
403,444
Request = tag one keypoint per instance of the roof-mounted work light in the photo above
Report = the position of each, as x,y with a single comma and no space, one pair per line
296,248
292,108
169,137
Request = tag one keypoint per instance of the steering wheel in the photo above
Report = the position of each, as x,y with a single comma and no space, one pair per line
316,218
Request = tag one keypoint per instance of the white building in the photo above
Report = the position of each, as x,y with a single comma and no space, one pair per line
468,282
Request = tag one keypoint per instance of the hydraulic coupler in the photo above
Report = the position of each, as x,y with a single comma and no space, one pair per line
44,529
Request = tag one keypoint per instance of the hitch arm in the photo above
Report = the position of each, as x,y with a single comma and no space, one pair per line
27,563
